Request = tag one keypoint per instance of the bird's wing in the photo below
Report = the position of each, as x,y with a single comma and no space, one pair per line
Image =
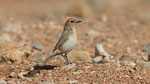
63,38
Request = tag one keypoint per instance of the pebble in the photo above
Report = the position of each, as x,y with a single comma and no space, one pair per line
143,64
3,82
97,59
128,50
131,70
69,66
38,47
21,43
132,64
145,58
12,74
5,38
47,83
20,75
77,72
100,51
73,81
146,48
11,82
77,56
125,62
12,27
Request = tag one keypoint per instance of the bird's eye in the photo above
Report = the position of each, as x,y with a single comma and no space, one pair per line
72,21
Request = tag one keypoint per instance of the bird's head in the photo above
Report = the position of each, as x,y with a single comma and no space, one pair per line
72,22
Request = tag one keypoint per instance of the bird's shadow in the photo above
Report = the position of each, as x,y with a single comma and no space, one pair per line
37,69
44,67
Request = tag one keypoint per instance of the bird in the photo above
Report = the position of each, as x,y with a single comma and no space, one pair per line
65,44
67,40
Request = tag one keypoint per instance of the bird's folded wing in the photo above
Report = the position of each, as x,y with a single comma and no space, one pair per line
62,39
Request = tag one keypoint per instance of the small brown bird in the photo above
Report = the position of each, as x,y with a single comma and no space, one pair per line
67,40
65,44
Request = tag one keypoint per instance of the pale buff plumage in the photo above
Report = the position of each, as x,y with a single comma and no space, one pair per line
67,40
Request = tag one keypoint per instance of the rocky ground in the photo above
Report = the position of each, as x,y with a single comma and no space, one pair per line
113,42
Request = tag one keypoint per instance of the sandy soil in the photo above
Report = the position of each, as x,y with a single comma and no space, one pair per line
121,26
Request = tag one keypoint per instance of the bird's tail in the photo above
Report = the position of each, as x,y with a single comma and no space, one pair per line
50,56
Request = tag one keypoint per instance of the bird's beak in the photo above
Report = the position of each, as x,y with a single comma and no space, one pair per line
78,21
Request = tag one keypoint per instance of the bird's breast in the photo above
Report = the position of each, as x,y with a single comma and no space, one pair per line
70,43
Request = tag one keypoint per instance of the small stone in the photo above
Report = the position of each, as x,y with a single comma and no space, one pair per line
132,64
21,52
146,48
139,77
73,81
109,45
130,57
100,51
5,38
77,72
32,68
69,66
125,62
93,72
47,83
12,27
126,76
97,59
128,50
143,64
21,43
145,58
76,56
39,47
136,68
131,70
20,75
12,74
109,61
36,79
118,63
11,82
3,82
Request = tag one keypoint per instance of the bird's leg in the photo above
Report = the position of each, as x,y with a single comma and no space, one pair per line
66,59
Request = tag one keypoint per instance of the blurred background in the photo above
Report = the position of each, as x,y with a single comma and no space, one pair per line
117,24
60,9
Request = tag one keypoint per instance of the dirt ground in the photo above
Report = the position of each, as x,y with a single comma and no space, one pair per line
29,29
